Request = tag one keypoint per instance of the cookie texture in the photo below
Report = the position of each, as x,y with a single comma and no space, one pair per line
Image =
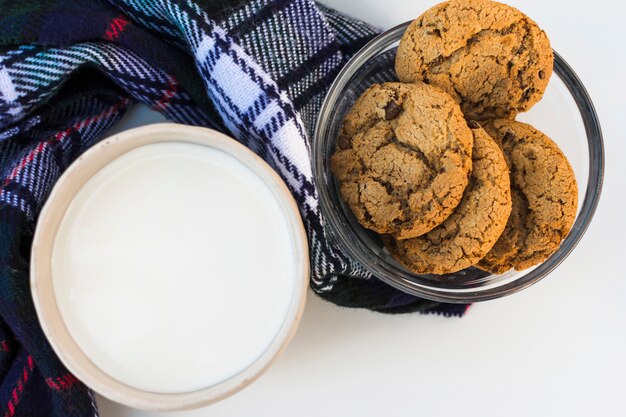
493,59
403,158
544,195
476,224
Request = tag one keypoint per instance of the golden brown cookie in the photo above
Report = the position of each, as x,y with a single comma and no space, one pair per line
477,222
490,57
403,158
544,193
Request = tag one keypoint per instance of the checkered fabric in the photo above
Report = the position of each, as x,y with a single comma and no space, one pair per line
257,70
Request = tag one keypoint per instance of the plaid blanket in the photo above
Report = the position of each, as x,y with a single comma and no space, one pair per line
69,69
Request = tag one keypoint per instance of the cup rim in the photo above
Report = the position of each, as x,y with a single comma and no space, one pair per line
467,295
41,278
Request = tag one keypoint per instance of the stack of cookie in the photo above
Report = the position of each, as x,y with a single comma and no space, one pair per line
438,166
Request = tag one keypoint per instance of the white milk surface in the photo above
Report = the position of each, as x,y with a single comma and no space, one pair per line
173,267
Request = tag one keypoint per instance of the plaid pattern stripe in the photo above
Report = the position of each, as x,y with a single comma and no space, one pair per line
58,135
32,73
257,70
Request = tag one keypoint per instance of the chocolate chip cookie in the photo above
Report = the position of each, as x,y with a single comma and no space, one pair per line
544,195
493,59
403,158
476,224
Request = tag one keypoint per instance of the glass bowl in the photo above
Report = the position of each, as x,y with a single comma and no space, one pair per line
566,114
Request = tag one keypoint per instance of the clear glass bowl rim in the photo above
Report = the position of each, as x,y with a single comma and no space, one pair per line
590,202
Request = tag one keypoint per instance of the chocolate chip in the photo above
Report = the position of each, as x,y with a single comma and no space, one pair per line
527,93
530,154
392,110
343,142
436,61
473,124
435,32
508,30
542,74
508,136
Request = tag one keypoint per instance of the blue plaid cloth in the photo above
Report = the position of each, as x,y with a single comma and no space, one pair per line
257,70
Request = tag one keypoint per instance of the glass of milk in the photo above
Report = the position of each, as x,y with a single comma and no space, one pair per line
169,267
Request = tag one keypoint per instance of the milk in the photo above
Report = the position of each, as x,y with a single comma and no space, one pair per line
173,267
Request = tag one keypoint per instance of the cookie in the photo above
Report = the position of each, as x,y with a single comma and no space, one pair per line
544,194
476,224
490,57
403,158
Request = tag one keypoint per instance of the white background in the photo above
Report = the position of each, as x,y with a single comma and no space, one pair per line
556,349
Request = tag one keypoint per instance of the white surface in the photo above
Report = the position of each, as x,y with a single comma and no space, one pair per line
172,302
556,349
